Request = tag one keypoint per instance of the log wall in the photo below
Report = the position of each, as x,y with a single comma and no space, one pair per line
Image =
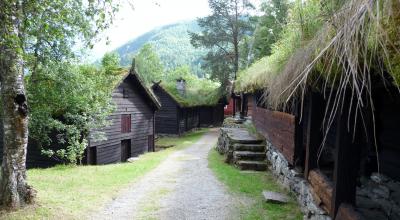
279,128
142,117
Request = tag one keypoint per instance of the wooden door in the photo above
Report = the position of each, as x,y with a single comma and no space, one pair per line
91,155
150,142
125,150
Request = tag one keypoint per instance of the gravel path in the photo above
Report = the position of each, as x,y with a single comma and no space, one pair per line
181,187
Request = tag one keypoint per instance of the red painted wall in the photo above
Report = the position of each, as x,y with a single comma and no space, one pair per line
228,109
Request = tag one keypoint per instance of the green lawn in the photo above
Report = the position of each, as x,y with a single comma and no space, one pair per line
252,185
74,192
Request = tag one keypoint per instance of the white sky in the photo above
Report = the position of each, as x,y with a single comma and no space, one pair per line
147,15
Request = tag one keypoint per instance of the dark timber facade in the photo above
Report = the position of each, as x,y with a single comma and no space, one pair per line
131,126
349,153
173,118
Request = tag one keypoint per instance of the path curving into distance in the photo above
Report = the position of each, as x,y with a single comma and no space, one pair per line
181,187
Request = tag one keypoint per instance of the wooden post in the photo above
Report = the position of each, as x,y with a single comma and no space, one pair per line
233,105
298,134
347,159
315,116
243,105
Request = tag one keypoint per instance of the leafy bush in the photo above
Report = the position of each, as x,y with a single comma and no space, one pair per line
66,102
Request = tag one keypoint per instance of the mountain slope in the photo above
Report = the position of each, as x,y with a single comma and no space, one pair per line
171,43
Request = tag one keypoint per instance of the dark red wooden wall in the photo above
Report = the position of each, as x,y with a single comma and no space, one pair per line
279,129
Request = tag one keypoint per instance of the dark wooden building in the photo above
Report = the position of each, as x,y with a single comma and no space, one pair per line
131,126
334,160
177,118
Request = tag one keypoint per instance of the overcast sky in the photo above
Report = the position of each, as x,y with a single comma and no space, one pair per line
147,15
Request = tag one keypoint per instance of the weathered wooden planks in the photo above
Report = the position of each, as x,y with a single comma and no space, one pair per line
133,119
322,188
279,128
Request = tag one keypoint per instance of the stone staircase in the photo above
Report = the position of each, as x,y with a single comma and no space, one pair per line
249,156
242,149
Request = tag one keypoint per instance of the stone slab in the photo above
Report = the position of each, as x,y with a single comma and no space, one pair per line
133,159
275,197
240,135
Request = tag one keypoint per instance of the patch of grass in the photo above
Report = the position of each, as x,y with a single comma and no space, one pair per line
75,192
251,185
149,207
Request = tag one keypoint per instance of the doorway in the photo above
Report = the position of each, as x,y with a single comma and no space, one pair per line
125,150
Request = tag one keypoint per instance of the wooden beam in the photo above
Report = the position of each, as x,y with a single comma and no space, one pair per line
298,135
314,137
347,159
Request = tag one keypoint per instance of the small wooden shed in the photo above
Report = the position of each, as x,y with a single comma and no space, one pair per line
131,126
175,117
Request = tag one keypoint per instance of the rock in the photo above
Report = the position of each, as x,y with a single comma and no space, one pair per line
395,213
275,197
381,191
395,196
386,206
366,203
393,186
319,217
369,214
378,178
132,159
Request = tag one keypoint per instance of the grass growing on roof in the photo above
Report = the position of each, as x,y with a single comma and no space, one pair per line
199,91
251,185
304,21
75,192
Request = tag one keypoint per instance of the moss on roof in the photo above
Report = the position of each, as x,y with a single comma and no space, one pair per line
201,92
297,33
340,51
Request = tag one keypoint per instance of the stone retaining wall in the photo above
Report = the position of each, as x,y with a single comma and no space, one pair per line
294,181
379,198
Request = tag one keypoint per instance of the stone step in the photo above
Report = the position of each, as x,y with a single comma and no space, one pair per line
251,165
249,155
249,147
246,141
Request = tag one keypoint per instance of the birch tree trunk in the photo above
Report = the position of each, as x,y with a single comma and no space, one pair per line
14,190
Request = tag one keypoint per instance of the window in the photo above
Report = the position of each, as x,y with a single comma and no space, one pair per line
126,123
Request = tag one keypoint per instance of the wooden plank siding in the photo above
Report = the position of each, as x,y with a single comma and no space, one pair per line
167,116
129,102
174,118
211,115
251,103
279,128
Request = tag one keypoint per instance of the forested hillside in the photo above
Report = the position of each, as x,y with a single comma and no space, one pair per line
171,43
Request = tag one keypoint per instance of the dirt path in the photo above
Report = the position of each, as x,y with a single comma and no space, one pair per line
182,187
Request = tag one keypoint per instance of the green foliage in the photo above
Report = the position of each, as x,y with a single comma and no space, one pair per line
148,65
52,28
303,23
269,26
199,91
222,32
66,102
172,45
391,25
251,185
64,99
110,63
